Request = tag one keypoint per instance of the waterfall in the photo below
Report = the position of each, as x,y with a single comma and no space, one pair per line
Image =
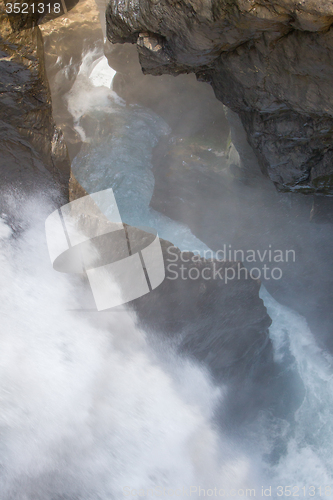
87,409
123,162
91,409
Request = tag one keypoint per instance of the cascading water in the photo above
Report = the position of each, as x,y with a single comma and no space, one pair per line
308,460
123,162
120,142
87,410
91,407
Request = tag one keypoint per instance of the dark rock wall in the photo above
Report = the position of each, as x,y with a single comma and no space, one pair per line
32,148
222,325
272,63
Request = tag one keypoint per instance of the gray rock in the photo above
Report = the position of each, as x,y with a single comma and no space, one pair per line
270,63
33,151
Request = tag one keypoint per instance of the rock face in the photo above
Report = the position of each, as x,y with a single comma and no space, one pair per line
32,147
66,41
271,63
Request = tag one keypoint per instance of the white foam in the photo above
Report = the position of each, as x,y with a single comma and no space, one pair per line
102,74
308,460
91,89
86,409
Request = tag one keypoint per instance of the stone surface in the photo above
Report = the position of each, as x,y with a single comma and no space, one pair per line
33,150
270,63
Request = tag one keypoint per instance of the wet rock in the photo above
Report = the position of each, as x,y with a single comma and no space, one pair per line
248,213
271,64
33,150
224,326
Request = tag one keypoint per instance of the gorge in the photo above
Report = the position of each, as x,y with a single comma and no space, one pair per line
201,383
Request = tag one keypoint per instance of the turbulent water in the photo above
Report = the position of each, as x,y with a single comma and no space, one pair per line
89,409
308,458
86,407
118,149
123,162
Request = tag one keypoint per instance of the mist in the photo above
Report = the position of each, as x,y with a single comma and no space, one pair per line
87,408
109,405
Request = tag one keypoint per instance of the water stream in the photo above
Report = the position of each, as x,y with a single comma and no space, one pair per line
123,162
89,409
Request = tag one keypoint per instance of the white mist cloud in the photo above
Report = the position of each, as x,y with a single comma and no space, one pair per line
86,408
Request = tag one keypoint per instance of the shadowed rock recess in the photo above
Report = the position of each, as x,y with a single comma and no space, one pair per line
270,62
